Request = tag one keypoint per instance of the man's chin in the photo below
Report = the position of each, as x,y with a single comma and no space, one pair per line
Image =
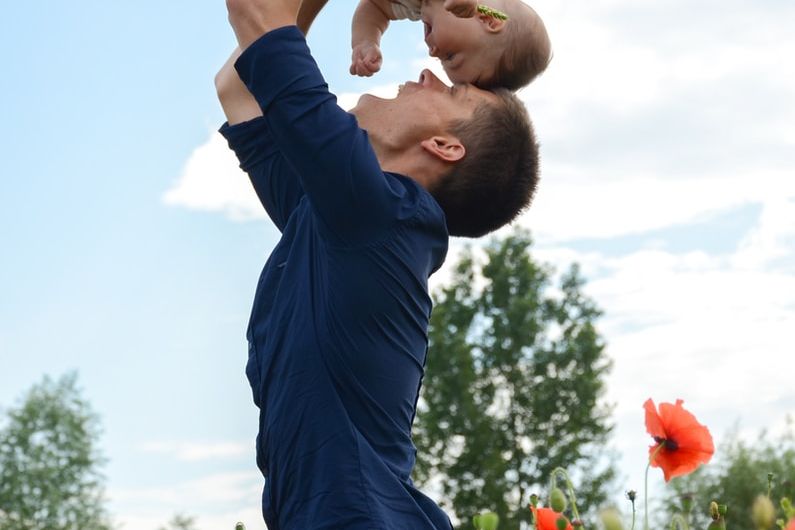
365,101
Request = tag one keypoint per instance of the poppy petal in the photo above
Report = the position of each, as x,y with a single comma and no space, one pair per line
680,462
654,425
547,519
690,443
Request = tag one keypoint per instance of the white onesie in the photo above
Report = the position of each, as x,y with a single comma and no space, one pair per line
407,9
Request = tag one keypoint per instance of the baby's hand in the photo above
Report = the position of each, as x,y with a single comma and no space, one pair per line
462,8
366,59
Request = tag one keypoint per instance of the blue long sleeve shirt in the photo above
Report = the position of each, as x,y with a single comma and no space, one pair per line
338,329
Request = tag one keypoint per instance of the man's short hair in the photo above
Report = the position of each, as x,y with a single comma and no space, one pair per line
497,177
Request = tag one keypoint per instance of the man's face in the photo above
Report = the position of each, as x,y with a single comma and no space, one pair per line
421,110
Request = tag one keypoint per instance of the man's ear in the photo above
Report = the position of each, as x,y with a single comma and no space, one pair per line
445,148
491,24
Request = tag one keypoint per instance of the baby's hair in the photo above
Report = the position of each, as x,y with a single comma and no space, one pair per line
527,50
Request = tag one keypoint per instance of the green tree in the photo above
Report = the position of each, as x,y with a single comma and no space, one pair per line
49,462
515,375
180,522
737,475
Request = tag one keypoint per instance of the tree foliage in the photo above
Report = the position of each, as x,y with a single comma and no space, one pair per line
737,475
49,462
514,379
180,522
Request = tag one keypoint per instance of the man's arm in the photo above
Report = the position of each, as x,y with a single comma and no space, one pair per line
238,103
251,19
322,143
276,184
370,21
308,12
274,180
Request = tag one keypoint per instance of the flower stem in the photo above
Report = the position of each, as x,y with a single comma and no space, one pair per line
569,488
633,516
677,521
646,487
499,15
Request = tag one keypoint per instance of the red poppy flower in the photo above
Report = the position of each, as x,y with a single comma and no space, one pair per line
547,519
791,525
686,444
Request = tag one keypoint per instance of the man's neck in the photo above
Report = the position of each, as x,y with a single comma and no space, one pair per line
416,165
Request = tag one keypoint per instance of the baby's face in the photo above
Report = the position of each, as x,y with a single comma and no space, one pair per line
462,44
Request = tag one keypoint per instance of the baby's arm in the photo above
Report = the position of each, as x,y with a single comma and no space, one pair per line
370,21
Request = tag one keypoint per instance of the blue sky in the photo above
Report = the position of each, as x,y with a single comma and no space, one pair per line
131,243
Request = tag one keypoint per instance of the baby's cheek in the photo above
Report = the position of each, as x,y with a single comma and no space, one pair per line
460,74
453,76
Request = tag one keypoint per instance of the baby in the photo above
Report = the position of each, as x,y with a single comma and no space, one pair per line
474,47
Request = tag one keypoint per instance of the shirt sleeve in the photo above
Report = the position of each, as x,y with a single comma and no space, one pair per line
407,9
275,182
331,155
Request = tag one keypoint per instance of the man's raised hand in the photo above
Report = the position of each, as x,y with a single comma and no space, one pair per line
251,19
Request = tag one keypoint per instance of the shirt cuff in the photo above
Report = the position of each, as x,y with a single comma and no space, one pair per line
278,63
250,140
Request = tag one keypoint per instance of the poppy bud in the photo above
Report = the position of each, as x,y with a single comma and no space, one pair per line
534,500
611,519
713,510
486,521
687,502
240,526
763,513
717,524
576,523
557,500
631,495
561,523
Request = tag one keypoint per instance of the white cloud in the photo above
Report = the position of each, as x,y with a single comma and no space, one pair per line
216,501
570,205
251,517
212,489
194,451
212,181
347,100
773,237
713,330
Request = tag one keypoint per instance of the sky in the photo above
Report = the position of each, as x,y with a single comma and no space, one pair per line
131,242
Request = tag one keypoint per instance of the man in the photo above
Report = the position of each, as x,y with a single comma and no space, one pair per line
364,201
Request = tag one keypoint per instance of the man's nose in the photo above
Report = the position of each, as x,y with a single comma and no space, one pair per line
428,80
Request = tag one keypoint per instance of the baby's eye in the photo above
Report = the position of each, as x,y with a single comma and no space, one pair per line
449,57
